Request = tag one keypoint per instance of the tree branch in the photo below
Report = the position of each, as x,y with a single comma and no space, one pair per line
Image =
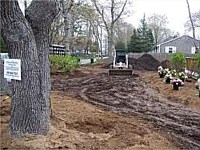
190,16
122,10
101,12
42,12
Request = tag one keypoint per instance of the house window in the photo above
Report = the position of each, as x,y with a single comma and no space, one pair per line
193,50
170,49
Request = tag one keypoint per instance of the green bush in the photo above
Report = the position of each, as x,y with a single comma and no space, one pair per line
178,61
197,62
63,63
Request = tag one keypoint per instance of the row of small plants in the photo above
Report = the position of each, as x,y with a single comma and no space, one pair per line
63,63
173,77
179,73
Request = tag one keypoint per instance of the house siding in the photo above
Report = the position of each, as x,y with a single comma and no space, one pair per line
182,44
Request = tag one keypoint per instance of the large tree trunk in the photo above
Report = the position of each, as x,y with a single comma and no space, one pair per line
28,113
41,24
30,102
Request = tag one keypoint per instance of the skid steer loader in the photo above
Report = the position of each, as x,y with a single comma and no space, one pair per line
120,65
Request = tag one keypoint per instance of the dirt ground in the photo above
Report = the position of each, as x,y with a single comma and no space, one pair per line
94,111
187,94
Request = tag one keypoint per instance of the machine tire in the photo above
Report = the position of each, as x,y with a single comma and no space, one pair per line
111,67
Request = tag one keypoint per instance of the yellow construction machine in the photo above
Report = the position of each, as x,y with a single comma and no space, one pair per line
120,65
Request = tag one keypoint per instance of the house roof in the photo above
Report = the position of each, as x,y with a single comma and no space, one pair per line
177,38
166,39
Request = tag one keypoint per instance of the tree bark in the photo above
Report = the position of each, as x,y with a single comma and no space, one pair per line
67,21
30,112
41,24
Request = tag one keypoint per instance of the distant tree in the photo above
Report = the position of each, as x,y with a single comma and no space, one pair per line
193,26
146,36
120,45
142,39
135,43
110,12
157,23
123,32
150,40
196,21
66,8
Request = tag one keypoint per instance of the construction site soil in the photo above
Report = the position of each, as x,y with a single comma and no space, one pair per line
147,62
91,110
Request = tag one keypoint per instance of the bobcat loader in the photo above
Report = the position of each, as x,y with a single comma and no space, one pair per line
120,65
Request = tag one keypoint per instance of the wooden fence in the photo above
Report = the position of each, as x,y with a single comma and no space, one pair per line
191,63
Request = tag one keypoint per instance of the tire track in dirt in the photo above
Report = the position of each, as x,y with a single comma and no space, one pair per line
133,97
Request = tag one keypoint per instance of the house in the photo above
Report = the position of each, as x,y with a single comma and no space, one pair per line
185,44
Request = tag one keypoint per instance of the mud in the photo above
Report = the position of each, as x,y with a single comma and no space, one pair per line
132,96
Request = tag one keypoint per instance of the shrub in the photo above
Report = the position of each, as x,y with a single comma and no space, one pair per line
63,63
178,61
197,62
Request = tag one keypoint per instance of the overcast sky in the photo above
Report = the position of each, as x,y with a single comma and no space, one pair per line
175,10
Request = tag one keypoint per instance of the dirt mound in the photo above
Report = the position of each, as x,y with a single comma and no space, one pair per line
136,65
165,64
145,62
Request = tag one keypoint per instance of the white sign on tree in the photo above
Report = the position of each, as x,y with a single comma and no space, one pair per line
12,69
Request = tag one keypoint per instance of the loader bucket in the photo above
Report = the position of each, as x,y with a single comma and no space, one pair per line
120,72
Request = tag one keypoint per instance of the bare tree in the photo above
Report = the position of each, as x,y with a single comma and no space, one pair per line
191,21
110,12
196,22
192,25
57,31
123,32
28,39
94,26
66,8
158,25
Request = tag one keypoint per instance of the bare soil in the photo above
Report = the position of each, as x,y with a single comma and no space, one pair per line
94,111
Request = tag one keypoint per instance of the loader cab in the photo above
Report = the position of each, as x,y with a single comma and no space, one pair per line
120,56
120,59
